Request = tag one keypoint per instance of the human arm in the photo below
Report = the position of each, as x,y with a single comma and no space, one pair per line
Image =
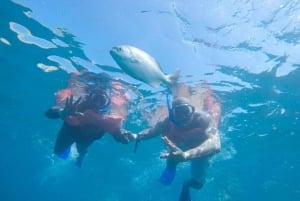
53,113
122,135
70,108
149,133
209,147
210,140
157,130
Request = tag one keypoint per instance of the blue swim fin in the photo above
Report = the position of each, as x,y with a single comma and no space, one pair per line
65,154
168,174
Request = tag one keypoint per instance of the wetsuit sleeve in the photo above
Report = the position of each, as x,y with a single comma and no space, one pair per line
53,113
157,130
108,123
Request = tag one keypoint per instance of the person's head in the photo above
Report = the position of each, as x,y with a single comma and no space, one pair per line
99,101
93,81
182,111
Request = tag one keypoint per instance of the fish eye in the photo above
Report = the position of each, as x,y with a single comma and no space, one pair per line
119,49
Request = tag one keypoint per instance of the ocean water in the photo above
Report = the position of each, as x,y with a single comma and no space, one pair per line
252,56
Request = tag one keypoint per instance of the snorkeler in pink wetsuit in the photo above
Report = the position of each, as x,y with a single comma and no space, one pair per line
190,136
84,106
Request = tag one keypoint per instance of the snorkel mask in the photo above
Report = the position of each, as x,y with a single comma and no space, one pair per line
181,112
98,90
99,101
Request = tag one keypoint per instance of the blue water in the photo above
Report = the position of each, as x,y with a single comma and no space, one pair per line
260,124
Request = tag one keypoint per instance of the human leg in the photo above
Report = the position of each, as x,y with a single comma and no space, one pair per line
169,173
197,180
64,140
82,147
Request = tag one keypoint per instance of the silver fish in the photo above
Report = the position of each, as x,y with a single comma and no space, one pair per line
141,66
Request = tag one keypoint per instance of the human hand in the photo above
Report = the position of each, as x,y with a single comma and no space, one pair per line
175,154
129,135
71,107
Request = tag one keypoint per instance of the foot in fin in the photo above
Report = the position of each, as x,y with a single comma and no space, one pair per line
168,174
65,154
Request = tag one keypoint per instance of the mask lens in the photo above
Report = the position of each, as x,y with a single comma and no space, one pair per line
183,111
100,101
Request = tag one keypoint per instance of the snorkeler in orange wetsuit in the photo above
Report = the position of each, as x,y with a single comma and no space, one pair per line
84,106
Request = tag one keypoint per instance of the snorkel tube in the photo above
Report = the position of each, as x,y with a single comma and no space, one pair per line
168,175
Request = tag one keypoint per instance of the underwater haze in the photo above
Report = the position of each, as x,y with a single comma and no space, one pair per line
248,51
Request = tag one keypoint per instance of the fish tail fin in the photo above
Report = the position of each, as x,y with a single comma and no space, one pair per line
172,81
